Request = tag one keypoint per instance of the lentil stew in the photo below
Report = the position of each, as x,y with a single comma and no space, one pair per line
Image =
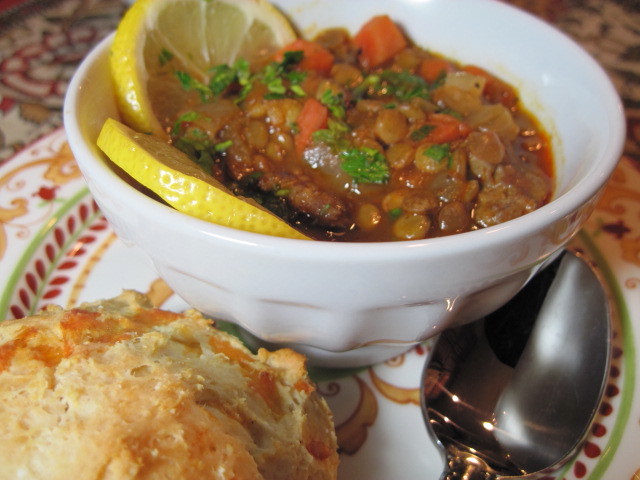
366,137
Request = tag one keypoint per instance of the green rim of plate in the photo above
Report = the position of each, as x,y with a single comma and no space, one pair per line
35,243
628,359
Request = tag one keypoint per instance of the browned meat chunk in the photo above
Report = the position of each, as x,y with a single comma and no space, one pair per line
500,203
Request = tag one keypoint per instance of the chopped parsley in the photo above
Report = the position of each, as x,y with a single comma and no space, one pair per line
222,76
369,85
421,132
198,149
185,117
164,57
279,78
189,83
439,152
395,213
243,76
365,165
335,135
402,85
452,112
334,102
439,81
291,58
222,146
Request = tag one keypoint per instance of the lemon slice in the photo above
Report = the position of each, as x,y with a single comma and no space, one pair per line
157,37
175,178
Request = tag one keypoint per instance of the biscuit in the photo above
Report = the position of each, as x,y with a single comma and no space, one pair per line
120,390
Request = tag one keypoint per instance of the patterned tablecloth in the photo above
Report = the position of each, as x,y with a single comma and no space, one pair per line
41,43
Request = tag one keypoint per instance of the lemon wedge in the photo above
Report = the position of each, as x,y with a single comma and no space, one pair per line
175,178
157,37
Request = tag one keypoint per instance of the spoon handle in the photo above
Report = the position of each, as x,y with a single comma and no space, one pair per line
466,466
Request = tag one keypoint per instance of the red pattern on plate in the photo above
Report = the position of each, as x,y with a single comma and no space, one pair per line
62,254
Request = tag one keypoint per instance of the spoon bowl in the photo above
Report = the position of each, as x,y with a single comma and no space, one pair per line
514,394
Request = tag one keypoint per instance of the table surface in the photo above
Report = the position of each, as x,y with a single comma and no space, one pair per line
41,42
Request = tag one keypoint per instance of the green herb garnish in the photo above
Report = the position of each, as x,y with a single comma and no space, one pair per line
282,192
402,85
452,112
243,76
335,135
222,76
440,79
291,58
365,165
164,57
369,85
189,83
222,146
198,149
334,102
395,213
420,133
438,152
280,79
185,117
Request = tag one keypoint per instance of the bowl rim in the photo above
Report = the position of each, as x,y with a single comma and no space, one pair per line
584,190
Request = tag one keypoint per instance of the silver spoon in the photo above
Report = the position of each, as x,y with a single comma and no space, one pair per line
515,394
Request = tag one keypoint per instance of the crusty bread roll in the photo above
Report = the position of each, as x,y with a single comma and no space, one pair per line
120,390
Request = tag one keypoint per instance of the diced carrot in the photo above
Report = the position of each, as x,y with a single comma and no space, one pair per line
316,57
495,89
447,132
447,128
431,68
379,40
312,117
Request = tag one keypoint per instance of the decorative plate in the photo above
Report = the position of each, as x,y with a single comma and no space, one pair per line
56,247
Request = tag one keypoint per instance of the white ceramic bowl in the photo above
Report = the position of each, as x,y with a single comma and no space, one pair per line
351,304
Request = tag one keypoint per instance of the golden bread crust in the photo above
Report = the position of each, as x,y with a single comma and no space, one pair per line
120,390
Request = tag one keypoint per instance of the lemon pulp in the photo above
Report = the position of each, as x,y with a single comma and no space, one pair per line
156,37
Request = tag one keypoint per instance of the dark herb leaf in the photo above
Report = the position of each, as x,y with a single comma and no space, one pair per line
291,58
